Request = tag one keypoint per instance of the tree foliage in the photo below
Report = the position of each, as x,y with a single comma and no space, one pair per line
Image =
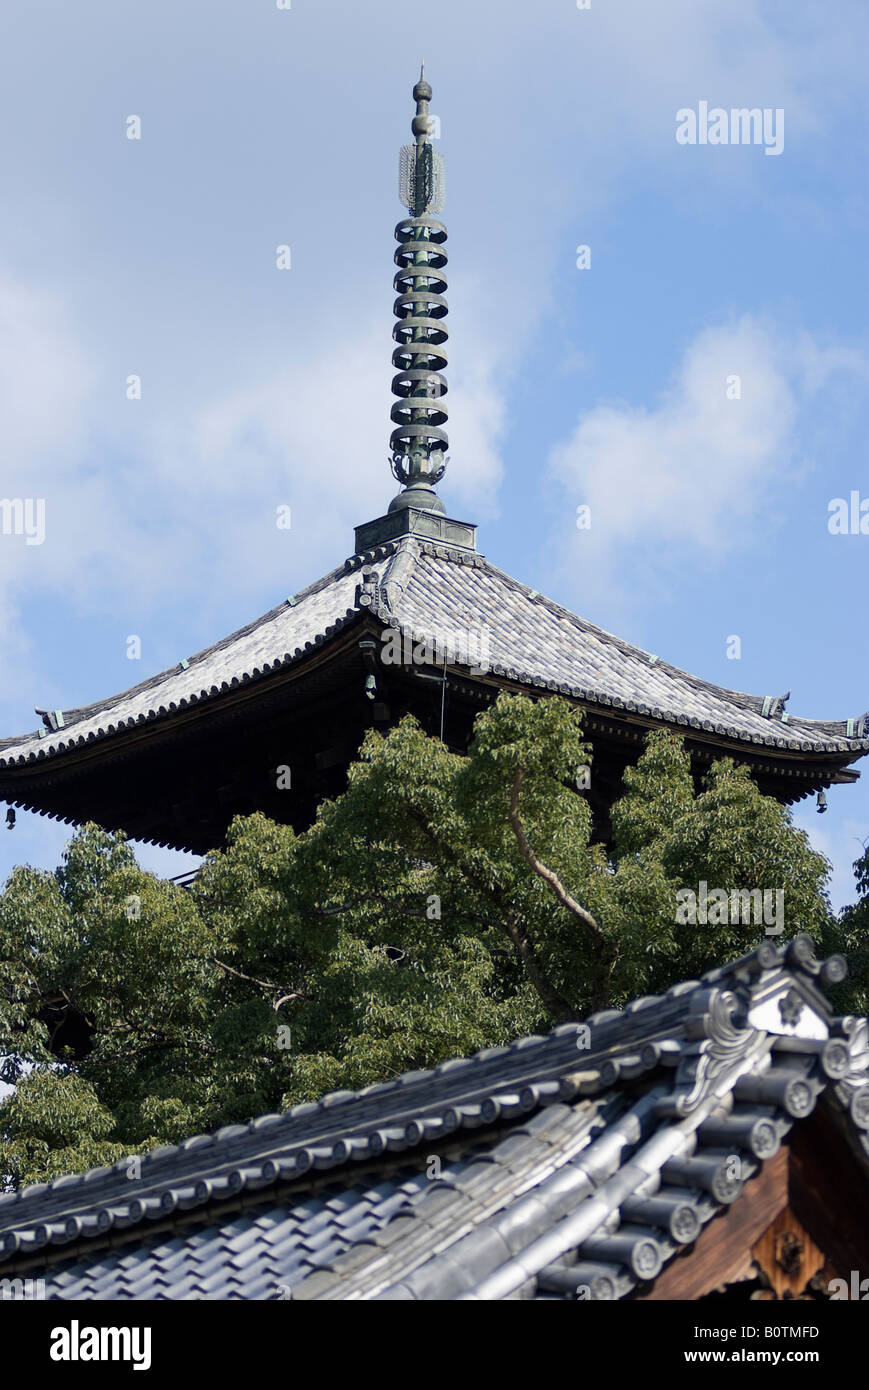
440,905
852,938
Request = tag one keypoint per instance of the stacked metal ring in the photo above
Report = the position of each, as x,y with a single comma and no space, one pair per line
420,334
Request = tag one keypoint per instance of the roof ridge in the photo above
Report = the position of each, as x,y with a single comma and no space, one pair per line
492,1084
399,571
740,698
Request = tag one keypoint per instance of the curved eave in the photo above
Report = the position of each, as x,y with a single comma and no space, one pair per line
791,738
54,748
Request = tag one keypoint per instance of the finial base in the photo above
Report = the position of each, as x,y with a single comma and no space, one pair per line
415,521
420,495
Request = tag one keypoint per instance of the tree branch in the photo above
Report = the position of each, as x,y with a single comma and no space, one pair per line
288,998
263,984
548,875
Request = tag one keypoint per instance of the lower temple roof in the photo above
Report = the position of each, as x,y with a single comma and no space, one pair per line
578,1164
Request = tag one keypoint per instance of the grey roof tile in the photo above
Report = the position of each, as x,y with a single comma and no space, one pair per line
323,1256
532,641
515,1202
265,1287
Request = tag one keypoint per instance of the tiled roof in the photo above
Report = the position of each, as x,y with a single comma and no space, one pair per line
537,643
278,638
431,589
565,1162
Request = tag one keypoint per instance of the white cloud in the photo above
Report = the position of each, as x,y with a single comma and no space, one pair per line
315,436
702,471
174,505
45,385
181,506
198,500
44,379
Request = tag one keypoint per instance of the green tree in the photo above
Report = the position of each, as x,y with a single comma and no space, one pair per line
850,935
440,905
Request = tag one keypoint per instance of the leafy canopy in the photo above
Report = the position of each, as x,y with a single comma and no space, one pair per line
440,905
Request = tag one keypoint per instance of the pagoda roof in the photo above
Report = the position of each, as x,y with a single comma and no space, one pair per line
590,1158
429,590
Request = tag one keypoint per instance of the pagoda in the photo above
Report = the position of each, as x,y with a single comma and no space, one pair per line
416,620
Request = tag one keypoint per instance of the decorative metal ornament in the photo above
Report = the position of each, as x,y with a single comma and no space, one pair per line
421,179
418,444
790,1006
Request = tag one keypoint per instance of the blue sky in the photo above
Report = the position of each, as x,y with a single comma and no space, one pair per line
605,386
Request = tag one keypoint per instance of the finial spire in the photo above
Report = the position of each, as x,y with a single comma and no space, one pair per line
418,443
